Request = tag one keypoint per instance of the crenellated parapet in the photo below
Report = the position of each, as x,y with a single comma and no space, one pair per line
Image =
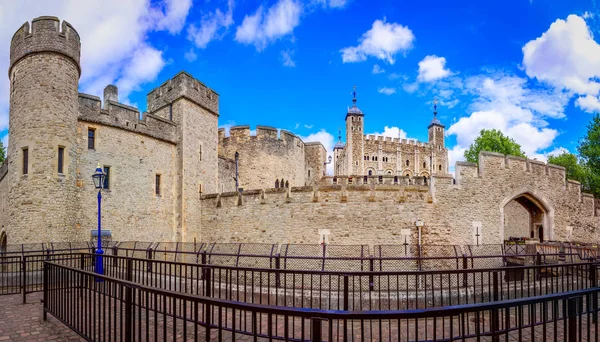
186,86
45,34
393,142
125,117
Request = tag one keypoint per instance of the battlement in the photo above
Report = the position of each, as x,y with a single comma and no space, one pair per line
186,86
125,117
45,34
373,139
243,132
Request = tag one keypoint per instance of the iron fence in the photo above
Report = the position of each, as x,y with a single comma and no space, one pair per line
361,290
104,308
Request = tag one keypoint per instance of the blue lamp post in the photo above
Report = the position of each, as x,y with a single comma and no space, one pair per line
98,178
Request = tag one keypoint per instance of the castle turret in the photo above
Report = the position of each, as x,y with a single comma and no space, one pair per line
44,72
111,93
439,155
354,138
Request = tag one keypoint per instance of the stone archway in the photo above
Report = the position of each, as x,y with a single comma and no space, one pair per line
526,214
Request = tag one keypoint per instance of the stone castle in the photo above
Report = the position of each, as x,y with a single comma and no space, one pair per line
172,173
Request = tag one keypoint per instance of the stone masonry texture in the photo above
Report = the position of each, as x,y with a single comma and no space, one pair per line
172,171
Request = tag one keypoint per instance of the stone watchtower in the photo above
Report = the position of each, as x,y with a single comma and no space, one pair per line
44,74
354,139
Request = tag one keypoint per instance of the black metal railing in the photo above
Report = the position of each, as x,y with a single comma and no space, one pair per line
358,290
104,308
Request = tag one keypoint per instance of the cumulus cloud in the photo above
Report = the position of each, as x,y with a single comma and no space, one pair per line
507,103
287,58
327,140
190,55
565,56
588,103
387,91
264,27
377,69
212,26
432,68
383,41
109,38
391,132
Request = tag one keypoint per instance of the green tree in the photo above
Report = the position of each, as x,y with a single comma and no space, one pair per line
589,146
2,152
569,161
492,140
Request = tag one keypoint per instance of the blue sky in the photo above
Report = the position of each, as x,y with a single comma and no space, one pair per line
529,68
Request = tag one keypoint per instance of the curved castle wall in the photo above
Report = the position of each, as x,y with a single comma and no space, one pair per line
264,157
44,73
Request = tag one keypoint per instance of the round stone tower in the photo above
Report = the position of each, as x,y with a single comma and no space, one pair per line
44,75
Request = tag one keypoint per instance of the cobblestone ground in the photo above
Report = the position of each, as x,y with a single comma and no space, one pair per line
23,322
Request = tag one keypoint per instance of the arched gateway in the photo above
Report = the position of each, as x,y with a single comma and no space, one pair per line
524,214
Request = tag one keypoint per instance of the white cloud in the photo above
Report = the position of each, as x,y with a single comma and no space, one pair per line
432,68
144,66
588,103
383,41
327,140
171,15
287,58
410,87
555,152
377,69
262,28
507,103
391,132
213,25
565,56
109,38
456,153
332,3
190,55
308,126
587,15
387,91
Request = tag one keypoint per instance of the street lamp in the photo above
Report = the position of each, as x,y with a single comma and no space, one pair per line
98,178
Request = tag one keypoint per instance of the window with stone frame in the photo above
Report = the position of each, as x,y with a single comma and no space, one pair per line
157,184
61,159
91,139
25,160
107,182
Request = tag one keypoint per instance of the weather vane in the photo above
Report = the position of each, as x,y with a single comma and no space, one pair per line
435,102
354,94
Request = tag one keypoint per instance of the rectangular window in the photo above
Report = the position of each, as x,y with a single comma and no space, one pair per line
25,161
91,138
61,159
107,177
309,173
157,190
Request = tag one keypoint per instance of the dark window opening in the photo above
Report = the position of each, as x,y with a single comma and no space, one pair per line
107,177
407,162
308,173
395,179
424,164
171,111
91,138
61,159
276,183
380,179
370,172
366,179
287,184
440,167
334,180
157,190
25,161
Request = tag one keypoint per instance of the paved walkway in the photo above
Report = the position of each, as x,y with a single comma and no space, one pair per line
23,322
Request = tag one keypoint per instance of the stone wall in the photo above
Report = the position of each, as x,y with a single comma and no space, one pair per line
265,157
316,156
353,214
375,213
3,196
131,209
226,175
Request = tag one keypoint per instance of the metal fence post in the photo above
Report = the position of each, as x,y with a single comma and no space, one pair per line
317,328
371,269
149,255
129,270
129,313
45,295
572,314
346,306
278,270
495,312
465,265
24,278
593,274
